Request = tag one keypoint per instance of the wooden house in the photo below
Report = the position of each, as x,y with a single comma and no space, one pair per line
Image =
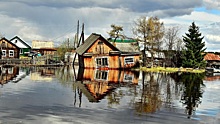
97,52
25,49
44,47
9,50
212,60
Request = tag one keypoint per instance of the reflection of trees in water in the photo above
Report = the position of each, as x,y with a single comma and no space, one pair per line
149,100
65,75
114,97
192,92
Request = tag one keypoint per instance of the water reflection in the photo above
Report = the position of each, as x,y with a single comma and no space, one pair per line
192,91
98,84
7,74
175,95
149,94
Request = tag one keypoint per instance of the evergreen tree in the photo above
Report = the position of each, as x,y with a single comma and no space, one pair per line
193,55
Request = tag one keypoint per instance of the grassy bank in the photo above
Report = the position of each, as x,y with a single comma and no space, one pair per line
171,70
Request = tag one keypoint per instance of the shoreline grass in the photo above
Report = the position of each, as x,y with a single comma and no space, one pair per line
171,70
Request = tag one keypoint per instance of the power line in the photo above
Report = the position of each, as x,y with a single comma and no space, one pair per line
64,34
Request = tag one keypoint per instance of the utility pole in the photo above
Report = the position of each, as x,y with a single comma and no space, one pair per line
82,35
77,34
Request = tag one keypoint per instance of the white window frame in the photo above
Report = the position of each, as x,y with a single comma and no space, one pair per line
101,75
10,70
128,61
128,78
21,51
102,62
4,70
11,54
4,53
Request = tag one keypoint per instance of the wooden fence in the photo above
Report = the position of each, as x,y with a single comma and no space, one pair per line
41,60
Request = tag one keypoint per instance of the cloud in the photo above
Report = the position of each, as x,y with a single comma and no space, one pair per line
212,4
57,20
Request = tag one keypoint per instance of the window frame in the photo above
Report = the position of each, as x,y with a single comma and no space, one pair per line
9,53
127,61
102,61
101,74
21,51
4,53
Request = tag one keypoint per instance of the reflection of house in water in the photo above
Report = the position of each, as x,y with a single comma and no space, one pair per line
7,74
96,84
43,74
212,77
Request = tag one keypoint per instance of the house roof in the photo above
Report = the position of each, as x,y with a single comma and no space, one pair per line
9,42
212,56
90,41
23,42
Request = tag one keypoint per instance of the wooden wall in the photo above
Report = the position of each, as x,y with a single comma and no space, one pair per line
8,46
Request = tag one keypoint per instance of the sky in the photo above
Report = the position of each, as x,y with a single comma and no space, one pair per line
56,20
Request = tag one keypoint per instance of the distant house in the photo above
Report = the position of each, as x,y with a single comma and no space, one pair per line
213,60
159,57
44,47
24,47
97,52
9,50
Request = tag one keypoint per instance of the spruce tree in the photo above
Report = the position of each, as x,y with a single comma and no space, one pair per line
193,55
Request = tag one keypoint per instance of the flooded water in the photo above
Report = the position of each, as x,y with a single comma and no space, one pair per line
68,95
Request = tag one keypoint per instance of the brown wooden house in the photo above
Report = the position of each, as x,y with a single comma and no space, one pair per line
97,52
8,49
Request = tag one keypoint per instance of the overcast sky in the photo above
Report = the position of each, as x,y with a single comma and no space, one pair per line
56,20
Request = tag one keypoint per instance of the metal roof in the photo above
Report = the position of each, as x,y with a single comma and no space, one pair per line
90,41
212,56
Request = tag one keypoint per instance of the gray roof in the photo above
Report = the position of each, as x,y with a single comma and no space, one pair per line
90,41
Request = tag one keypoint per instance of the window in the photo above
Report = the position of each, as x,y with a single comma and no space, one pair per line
11,53
4,70
129,60
128,78
102,61
4,44
16,41
100,42
101,75
21,51
100,47
10,70
4,53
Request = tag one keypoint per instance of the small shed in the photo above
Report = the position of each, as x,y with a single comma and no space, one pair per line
99,53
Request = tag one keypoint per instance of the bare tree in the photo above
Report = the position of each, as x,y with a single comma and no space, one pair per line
171,37
149,31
